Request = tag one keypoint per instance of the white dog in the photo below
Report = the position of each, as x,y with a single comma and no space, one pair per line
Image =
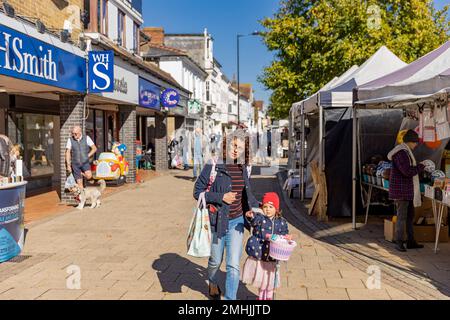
92,194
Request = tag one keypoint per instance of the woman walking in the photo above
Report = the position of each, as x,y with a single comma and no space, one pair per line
228,199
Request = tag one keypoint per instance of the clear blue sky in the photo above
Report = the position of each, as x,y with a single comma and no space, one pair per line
224,20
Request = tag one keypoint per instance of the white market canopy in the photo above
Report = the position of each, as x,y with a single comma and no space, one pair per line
339,91
423,80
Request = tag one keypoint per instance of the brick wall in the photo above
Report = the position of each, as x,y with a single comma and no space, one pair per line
161,157
127,135
52,13
156,34
71,114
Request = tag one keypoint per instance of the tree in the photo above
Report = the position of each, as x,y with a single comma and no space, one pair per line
316,40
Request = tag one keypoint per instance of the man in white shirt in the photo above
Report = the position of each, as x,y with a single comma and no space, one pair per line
79,150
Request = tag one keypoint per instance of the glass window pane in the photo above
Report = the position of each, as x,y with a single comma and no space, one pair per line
39,144
99,131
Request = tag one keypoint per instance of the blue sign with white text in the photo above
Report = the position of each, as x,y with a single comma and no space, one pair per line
27,58
148,94
170,98
101,71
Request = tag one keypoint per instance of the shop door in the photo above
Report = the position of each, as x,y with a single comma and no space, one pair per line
112,134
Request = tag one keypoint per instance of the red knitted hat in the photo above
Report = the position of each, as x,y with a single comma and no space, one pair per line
271,198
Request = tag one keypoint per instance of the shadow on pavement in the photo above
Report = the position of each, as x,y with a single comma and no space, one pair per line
188,178
174,272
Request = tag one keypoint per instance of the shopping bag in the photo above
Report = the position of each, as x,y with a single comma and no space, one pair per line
70,182
199,235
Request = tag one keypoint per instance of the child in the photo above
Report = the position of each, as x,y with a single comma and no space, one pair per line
259,268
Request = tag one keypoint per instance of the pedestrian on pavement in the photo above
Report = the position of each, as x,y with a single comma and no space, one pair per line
404,188
199,150
79,149
259,268
228,198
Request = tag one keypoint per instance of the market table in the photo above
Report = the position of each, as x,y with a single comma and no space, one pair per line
12,198
369,196
437,206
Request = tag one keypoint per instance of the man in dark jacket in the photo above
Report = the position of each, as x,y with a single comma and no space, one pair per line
404,188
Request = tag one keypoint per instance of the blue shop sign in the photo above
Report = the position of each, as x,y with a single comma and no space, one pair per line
27,58
170,98
101,71
148,94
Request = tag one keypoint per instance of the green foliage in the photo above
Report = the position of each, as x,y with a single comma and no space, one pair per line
316,40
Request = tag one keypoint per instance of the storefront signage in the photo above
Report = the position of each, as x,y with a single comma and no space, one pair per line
194,106
170,98
121,85
101,71
148,94
27,58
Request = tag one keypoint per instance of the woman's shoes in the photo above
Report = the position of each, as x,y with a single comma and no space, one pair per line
400,246
413,245
214,292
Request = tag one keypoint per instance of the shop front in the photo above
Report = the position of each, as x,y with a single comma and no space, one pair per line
35,70
110,116
149,107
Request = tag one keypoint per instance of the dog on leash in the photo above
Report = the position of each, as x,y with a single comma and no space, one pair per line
89,194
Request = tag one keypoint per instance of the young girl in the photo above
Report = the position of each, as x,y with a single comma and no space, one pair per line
259,268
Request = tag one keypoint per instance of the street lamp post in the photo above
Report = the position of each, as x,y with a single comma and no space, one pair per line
256,33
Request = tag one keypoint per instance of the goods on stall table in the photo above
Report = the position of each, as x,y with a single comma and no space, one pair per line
442,126
429,166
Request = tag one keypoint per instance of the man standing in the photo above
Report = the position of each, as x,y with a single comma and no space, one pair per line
404,188
79,149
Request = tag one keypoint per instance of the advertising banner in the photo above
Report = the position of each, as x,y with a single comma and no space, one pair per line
11,221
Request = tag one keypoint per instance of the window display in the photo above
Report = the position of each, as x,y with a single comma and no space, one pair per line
34,133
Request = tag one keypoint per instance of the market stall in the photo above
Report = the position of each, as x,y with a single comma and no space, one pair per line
328,113
421,92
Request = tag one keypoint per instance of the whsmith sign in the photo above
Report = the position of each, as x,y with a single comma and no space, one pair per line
101,71
27,58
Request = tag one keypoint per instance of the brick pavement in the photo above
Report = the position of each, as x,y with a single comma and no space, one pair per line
133,247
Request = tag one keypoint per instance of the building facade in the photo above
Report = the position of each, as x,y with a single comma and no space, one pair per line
44,90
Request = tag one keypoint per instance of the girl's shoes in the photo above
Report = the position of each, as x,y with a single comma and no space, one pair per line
214,292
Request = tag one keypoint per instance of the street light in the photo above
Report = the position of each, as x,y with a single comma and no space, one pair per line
255,33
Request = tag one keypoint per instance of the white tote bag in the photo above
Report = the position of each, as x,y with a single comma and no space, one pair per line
199,236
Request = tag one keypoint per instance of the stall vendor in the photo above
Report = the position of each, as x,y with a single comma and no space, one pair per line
404,188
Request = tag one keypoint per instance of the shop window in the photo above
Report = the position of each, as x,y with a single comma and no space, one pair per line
136,38
99,131
121,29
35,134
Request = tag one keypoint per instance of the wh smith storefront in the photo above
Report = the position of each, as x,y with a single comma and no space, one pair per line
36,71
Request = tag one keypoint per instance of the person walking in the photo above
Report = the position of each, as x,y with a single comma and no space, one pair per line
199,148
404,188
259,268
79,149
228,199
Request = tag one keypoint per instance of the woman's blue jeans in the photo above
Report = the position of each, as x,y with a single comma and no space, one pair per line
232,242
